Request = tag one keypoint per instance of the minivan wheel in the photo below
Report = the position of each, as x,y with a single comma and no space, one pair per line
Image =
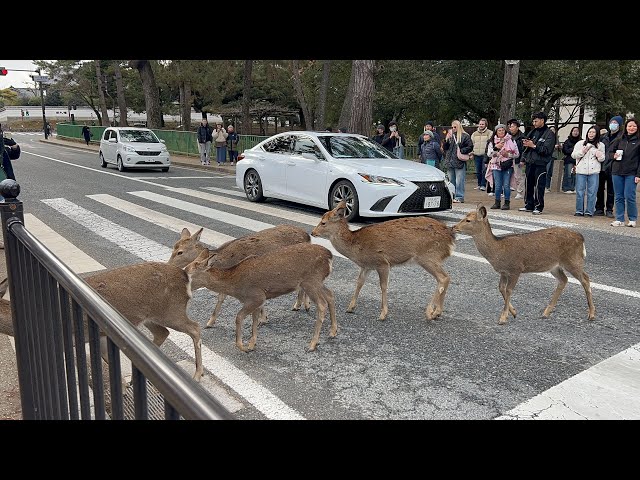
344,190
121,166
103,164
253,186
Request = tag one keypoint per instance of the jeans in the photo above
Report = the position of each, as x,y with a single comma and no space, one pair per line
221,154
204,149
536,181
590,184
568,179
502,179
457,177
481,168
624,187
549,173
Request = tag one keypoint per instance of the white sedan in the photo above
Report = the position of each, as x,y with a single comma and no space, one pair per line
321,169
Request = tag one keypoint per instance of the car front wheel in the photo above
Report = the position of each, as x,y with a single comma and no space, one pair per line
344,190
121,166
253,186
103,164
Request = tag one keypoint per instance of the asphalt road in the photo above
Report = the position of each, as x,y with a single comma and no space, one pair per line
462,366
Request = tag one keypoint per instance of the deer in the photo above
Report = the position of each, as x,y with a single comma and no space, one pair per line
153,294
380,246
257,278
188,247
564,249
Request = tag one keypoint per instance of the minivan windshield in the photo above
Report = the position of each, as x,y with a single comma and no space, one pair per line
353,147
141,136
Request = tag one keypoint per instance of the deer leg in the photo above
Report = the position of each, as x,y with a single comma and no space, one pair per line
383,274
364,272
180,322
254,329
436,305
248,307
502,287
303,299
317,296
583,278
159,332
216,311
263,316
508,290
330,298
559,274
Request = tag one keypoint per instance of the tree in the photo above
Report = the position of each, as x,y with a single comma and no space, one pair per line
307,114
101,90
357,110
122,103
246,97
150,89
322,94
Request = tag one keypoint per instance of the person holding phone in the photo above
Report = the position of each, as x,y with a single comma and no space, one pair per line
625,171
220,138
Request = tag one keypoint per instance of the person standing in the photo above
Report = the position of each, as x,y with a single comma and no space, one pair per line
539,145
429,125
550,164
513,126
606,180
456,138
378,137
204,141
501,149
86,133
232,144
569,175
395,141
220,138
430,150
625,171
589,155
480,137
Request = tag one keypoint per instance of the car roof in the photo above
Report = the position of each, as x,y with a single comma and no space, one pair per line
128,128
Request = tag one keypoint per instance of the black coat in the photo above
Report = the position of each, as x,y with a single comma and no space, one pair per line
205,134
567,149
6,160
630,163
545,143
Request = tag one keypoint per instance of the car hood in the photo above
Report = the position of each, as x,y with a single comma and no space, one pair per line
394,168
142,145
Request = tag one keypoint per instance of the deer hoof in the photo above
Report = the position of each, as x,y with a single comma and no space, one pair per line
333,333
210,323
502,321
312,347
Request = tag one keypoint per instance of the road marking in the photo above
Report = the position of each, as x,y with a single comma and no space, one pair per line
224,190
126,239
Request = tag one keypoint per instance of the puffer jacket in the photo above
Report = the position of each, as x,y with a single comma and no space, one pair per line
588,163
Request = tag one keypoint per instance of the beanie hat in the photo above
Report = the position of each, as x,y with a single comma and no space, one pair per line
428,132
618,119
500,125
380,126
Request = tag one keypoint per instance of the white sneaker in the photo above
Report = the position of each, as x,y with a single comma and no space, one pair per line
482,188
476,188
617,223
491,194
632,223
547,190
519,196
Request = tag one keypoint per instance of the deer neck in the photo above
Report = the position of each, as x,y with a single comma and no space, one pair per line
486,241
342,238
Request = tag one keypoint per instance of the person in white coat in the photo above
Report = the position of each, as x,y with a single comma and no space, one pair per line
589,154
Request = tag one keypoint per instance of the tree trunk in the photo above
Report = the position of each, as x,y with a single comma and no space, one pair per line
307,122
509,90
185,104
151,94
246,98
101,89
358,107
122,103
322,94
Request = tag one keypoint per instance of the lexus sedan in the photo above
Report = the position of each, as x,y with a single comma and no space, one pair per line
131,147
321,169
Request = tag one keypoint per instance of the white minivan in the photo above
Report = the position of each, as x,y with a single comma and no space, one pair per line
132,147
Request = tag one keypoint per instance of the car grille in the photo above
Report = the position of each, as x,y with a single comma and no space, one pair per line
415,203
147,153
143,162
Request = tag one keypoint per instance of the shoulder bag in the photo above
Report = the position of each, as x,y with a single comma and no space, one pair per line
463,157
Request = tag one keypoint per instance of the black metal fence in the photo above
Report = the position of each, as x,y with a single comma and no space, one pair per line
55,314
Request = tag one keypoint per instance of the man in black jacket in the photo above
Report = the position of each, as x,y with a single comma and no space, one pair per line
606,181
538,148
205,137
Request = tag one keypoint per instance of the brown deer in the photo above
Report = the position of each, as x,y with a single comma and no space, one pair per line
188,247
256,279
381,246
152,293
557,248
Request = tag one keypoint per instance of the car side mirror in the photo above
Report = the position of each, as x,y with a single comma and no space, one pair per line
161,140
113,140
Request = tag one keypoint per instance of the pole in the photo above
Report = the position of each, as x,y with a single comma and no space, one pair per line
44,116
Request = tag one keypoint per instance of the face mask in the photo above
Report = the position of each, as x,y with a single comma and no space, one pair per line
393,129
613,127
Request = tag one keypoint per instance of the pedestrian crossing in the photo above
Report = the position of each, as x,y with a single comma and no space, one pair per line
209,204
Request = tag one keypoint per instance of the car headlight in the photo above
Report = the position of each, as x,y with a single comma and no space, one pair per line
380,180
128,148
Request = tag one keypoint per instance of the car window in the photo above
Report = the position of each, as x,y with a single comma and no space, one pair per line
353,147
306,145
141,136
105,136
278,145
114,134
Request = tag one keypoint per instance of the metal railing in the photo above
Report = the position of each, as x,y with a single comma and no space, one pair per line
54,314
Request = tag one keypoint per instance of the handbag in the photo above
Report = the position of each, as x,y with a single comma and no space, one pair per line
507,164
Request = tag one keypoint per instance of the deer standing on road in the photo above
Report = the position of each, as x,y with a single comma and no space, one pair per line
381,246
557,249
256,279
188,247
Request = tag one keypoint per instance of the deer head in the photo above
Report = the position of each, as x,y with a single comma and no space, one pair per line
473,221
330,221
187,248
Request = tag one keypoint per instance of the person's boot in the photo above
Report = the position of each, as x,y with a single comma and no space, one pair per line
507,205
496,204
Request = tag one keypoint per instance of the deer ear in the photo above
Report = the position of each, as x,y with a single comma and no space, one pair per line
211,258
185,234
204,255
482,212
341,208
196,236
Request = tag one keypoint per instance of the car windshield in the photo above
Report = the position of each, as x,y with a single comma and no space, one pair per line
142,136
353,147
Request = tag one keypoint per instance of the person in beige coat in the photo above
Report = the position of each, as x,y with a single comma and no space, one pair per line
220,139
480,137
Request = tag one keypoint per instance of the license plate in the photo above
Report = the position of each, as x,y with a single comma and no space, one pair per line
149,160
432,202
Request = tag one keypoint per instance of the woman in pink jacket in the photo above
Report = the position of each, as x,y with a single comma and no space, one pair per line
501,150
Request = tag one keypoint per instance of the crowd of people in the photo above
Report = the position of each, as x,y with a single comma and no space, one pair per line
602,169
225,140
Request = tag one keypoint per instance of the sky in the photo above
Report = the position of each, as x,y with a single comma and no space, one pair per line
16,79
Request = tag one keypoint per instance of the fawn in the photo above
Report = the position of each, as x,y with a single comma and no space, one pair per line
188,247
557,248
381,246
257,278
